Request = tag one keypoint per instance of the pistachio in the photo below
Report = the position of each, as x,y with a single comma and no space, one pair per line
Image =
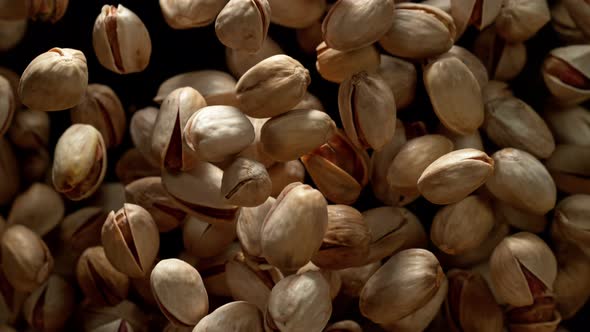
469,141
299,302
214,271
401,77
297,14
473,12
462,226
26,260
433,27
571,220
179,291
472,62
39,208
331,277
186,14
50,11
283,174
205,240
571,292
236,316
455,175
411,161
100,282
455,95
255,150
566,72
249,226
380,162
354,278
141,128
293,134
272,87
124,316
243,24
345,26
336,66
444,5
470,305
55,80
49,306
339,169
563,24
169,145
9,171
519,21
521,180
79,162
406,292
132,166
503,60
392,229
579,10
570,169
30,129
217,87
102,109
570,125
7,105
367,110
519,219
81,229
246,183
240,61
510,122
344,326
207,203
121,41
12,33
216,133
496,90
299,216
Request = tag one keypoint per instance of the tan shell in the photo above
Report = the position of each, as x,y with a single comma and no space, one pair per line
283,174
401,76
81,229
566,72
40,208
7,105
49,306
571,292
140,129
580,14
186,14
297,13
380,162
204,240
336,66
246,183
243,24
240,61
520,20
472,62
249,225
503,60
571,220
569,125
519,219
473,12
217,87
239,316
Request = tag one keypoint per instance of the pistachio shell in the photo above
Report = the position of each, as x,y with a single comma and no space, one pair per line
217,87
401,76
380,162
478,13
519,219
81,229
243,24
246,183
49,306
336,66
571,220
249,225
240,61
236,316
469,141
520,20
205,240
298,13
186,14
571,292
283,174
100,282
7,105
472,62
580,15
566,72
40,208
30,129
570,125
141,127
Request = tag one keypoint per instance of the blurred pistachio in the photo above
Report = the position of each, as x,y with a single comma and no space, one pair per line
336,66
124,316
81,229
380,162
240,61
566,72
217,87
354,278
571,290
243,24
473,12
520,20
564,25
571,221
579,10
49,11
283,174
102,109
11,301
570,167
39,208
11,33
401,77
9,171
109,196
187,14
121,41
49,306
100,282
392,229
526,221
310,37
30,129
344,326
503,60
297,14
249,226
339,169
205,240
55,80
433,27
7,105
246,183
239,316
569,125
79,162
13,79
141,128
132,166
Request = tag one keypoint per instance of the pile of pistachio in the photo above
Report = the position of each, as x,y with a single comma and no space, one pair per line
224,157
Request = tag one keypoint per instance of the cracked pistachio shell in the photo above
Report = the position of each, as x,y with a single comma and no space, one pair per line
296,133
503,60
380,162
298,13
102,109
473,12
336,66
386,300
455,175
207,203
469,141
121,41
40,208
523,269
412,159
462,226
455,95
566,72
521,180
132,166
392,229
217,87
339,169
12,33
100,282
579,10
187,14
204,240
272,87
510,122
49,306
432,26
571,289
472,62
131,240
519,219
294,228
141,128
243,24
353,279
55,80
367,109
179,292
344,326
246,183
520,20
571,219
570,125
299,302
240,61
401,77
169,145
345,26
249,226
26,260
255,150
81,229
569,166
30,130
470,305
346,241
283,174
79,162
239,316
7,105
216,133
